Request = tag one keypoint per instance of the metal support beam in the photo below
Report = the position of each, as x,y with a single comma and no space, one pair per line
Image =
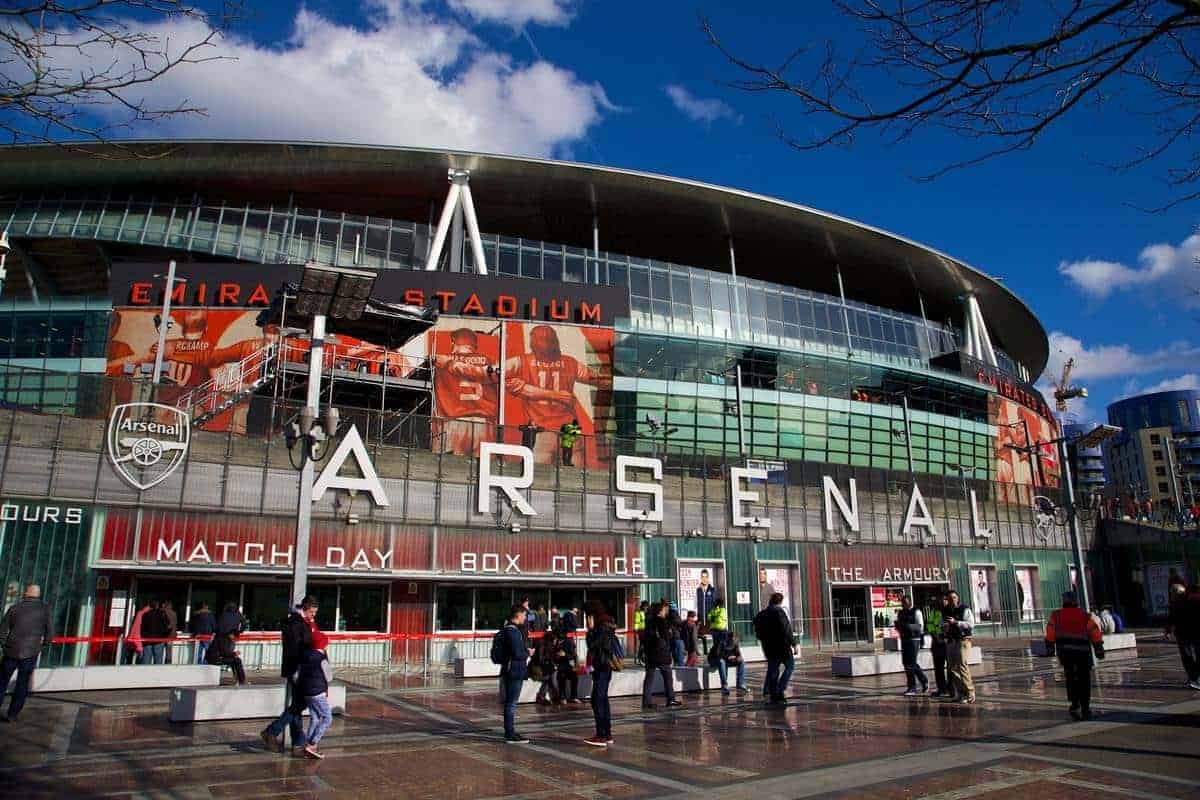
36,277
459,208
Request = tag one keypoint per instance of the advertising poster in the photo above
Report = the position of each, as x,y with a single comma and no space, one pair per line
777,578
885,605
691,579
1013,466
553,374
981,594
1159,578
1025,593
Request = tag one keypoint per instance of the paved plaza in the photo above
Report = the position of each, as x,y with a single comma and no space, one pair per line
408,737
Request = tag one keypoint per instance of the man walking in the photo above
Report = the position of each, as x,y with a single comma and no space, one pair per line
26,628
1184,622
910,624
296,639
658,655
774,632
937,647
202,626
958,624
513,657
1075,635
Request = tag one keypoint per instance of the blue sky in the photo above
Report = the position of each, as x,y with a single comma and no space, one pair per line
635,85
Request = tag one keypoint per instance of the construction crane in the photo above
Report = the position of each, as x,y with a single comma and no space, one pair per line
1063,390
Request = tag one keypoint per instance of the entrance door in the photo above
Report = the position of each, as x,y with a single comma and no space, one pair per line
850,622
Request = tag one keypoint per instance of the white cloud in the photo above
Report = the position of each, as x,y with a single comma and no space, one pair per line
700,109
1168,271
1113,361
517,13
402,76
1188,380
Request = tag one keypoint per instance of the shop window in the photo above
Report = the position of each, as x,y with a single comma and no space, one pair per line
327,599
491,608
613,601
362,609
454,609
567,598
266,606
174,592
1029,595
217,595
984,601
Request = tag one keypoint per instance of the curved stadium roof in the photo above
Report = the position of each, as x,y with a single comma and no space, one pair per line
640,214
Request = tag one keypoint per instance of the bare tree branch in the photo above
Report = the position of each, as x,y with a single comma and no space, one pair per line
79,70
995,73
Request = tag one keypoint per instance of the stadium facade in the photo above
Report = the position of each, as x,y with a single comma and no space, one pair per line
768,396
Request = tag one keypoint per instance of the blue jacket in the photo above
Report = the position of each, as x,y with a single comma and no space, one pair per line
518,654
310,681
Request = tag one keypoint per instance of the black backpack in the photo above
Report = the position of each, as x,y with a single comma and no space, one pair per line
499,654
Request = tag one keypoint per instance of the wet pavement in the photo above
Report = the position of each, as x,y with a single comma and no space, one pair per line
410,737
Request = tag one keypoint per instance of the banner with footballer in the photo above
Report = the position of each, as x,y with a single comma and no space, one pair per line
554,375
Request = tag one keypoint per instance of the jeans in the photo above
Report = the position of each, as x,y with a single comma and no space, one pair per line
776,683
201,651
153,653
1189,653
678,654
939,665
600,709
909,648
510,692
24,669
291,716
723,672
668,684
320,717
1077,669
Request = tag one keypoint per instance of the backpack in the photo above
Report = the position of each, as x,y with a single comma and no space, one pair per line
499,654
611,652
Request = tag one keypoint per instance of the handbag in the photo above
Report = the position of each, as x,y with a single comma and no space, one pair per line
691,659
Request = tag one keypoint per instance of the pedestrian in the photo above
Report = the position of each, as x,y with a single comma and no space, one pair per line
567,434
510,652
25,630
958,624
312,683
718,620
639,628
566,665
541,665
155,631
223,650
133,639
296,632
1184,621
173,629
658,655
689,636
729,654
202,626
530,618
678,650
1074,634
937,643
774,632
1108,625
910,624
539,621
605,654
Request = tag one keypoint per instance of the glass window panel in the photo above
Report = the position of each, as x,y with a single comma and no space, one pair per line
680,288
266,605
454,608
574,270
491,608
510,261
660,285
552,265
531,263
362,608
639,282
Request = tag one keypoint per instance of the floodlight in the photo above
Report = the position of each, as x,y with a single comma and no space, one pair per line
338,292
1094,437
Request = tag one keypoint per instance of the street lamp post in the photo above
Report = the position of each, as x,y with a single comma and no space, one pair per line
4,248
1065,444
166,320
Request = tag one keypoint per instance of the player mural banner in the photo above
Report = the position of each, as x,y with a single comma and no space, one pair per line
1013,465
554,375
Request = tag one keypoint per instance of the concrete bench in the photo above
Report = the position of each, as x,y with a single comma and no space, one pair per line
892,645
98,678
860,665
1113,642
628,683
475,668
203,704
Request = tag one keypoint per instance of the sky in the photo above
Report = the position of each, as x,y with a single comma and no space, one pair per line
636,85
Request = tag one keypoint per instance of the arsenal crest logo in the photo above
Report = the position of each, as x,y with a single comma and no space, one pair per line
147,442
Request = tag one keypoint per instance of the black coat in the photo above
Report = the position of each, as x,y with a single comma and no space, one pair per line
202,624
295,640
26,627
774,632
156,625
657,642
310,681
689,638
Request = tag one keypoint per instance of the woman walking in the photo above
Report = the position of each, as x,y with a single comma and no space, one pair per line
605,653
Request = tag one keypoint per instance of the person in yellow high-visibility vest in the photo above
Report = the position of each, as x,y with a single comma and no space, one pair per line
639,628
718,626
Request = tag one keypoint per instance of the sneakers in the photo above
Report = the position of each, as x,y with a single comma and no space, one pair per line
1074,712
597,741
310,751
574,701
675,703
741,690
937,693
911,693
609,740
1194,685
725,692
966,701
515,738
274,744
